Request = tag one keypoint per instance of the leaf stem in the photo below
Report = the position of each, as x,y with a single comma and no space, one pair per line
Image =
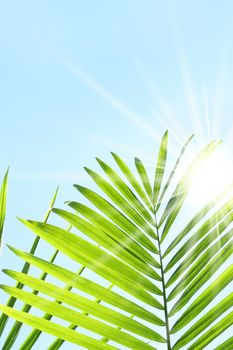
164,291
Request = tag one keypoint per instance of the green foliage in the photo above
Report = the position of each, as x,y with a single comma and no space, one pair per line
3,195
164,288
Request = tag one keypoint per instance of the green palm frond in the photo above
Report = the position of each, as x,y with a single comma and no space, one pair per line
162,286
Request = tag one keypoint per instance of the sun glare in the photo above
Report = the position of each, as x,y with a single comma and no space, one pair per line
211,179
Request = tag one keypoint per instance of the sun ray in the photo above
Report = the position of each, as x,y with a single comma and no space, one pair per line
191,98
94,85
166,116
128,151
218,100
159,117
206,114
135,119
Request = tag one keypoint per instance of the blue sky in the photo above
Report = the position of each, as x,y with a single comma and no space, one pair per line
82,78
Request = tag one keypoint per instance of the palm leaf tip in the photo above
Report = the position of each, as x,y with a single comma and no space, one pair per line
89,171
10,247
7,272
160,167
144,177
24,221
3,203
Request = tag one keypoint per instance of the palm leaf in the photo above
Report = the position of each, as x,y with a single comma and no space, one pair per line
225,345
173,172
3,196
160,168
133,181
55,329
11,301
205,321
144,177
126,191
213,332
126,238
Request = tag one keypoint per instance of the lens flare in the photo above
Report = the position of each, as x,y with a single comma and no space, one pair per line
211,178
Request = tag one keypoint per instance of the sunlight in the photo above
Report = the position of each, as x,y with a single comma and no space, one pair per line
211,178
135,119
165,114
